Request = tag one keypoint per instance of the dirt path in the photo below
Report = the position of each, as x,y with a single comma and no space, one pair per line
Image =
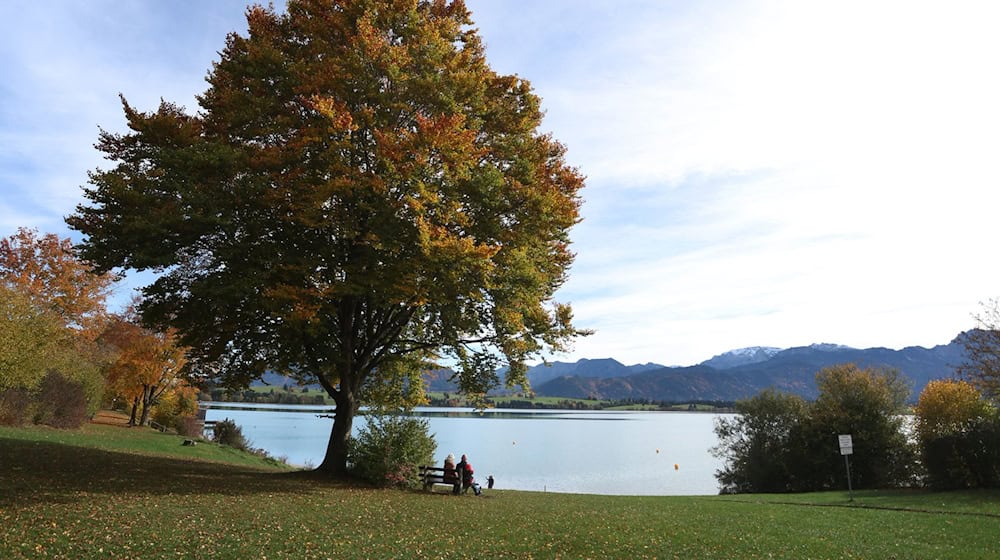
110,418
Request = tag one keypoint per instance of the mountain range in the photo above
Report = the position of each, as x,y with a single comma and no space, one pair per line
739,374
733,375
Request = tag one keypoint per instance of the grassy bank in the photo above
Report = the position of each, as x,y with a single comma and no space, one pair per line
110,433
86,495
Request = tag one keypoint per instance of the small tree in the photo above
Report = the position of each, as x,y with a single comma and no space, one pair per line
754,444
869,404
146,364
959,436
948,407
32,340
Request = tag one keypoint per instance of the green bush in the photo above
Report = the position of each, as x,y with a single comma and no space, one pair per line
964,459
754,443
227,432
389,450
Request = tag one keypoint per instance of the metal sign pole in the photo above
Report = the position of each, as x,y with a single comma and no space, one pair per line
850,490
847,449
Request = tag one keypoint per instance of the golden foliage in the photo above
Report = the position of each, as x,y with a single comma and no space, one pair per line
947,407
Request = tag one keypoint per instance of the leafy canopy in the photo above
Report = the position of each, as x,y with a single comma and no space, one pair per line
52,308
32,341
359,192
47,269
948,406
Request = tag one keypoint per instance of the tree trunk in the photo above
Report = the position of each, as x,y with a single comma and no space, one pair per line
135,411
147,402
335,461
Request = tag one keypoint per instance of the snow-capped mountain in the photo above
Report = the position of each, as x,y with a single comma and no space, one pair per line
741,357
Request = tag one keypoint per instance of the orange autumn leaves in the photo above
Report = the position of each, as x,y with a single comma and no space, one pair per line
46,269
146,364
55,319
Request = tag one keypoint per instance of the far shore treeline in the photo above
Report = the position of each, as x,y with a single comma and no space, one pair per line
305,396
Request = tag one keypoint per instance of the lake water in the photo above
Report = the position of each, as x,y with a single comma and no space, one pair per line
602,452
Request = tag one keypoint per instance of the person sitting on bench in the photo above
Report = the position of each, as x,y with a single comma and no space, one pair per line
450,475
467,479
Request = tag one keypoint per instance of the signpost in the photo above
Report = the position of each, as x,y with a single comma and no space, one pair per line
847,449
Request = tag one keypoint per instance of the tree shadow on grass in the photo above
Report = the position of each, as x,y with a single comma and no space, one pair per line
34,472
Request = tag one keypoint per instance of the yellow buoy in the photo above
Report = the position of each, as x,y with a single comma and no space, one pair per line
676,466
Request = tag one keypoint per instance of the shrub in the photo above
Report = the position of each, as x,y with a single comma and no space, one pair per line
15,407
389,450
188,426
754,444
174,408
227,432
61,403
966,459
959,436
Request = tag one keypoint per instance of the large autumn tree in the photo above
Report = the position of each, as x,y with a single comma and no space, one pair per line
359,193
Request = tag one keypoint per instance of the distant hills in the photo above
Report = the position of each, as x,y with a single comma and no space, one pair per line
742,373
730,376
733,375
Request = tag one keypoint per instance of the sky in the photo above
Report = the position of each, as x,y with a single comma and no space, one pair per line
759,173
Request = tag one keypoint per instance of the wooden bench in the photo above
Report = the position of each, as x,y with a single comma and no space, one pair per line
431,476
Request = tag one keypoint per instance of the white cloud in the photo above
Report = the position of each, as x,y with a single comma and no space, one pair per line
760,173
65,64
776,173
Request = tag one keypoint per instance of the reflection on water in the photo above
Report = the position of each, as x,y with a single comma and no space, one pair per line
595,452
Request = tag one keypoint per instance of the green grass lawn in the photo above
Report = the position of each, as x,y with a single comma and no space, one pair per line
86,494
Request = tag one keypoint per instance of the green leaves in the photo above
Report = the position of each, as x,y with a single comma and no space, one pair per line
780,443
358,188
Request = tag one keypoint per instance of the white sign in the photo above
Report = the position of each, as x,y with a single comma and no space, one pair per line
846,444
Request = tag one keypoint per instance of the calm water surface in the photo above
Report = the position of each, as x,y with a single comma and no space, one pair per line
625,453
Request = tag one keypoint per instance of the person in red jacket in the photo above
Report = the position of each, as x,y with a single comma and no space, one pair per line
468,481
